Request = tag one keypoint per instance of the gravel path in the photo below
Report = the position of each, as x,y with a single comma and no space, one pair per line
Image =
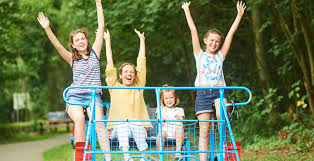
30,151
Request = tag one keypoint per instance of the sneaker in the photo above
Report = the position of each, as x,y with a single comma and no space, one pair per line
177,156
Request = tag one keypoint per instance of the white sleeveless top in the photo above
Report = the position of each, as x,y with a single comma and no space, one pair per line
209,69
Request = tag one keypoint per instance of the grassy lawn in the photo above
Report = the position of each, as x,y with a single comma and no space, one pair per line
64,153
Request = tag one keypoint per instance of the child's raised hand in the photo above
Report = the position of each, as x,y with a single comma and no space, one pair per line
240,8
141,36
44,21
107,35
185,5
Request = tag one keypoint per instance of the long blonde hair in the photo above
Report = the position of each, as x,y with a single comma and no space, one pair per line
177,100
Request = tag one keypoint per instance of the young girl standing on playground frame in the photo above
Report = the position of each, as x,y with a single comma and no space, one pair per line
84,60
128,103
169,111
209,71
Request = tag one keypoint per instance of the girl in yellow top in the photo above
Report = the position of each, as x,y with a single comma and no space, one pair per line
127,103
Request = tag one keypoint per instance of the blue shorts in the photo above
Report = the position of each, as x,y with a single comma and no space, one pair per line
205,99
82,98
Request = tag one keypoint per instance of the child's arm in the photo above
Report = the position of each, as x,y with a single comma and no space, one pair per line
100,31
195,39
227,43
141,52
179,117
108,49
44,22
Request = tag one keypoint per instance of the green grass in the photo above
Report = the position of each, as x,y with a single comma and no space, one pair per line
61,153
301,156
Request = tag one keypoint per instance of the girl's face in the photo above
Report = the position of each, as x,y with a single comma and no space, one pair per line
169,99
79,42
212,42
128,75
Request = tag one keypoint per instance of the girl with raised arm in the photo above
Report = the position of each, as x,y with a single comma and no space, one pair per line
84,61
209,71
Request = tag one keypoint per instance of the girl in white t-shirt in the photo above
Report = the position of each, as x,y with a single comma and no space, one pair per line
169,111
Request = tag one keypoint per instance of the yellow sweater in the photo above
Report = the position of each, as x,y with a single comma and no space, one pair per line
127,103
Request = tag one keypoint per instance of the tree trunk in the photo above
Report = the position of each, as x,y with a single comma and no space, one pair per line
263,70
188,72
187,68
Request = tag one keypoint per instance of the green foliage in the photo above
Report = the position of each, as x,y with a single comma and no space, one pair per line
248,128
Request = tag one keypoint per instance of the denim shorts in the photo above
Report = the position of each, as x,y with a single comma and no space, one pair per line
82,98
205,99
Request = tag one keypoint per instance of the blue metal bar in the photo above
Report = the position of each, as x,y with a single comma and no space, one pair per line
154,88
231,135
92,123
221,126
154,120
159,123
212,142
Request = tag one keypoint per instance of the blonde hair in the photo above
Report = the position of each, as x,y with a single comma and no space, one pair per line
75,54
214,31
177,100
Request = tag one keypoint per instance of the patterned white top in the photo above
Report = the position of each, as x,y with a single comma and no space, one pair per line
209,69
170,113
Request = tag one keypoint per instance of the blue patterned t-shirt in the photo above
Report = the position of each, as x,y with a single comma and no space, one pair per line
209,69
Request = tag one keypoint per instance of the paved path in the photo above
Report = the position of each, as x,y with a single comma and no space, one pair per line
30,151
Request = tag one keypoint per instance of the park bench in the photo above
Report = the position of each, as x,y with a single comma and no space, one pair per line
57,120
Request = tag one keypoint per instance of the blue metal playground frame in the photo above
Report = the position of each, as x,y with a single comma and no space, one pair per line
91,133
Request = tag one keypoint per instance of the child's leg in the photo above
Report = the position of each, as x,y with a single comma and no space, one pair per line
164,135
76,113
179,135
204,131
102,133
217,107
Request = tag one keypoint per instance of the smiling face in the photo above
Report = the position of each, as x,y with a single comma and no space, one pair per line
79,42
169,99
127,75
212,42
